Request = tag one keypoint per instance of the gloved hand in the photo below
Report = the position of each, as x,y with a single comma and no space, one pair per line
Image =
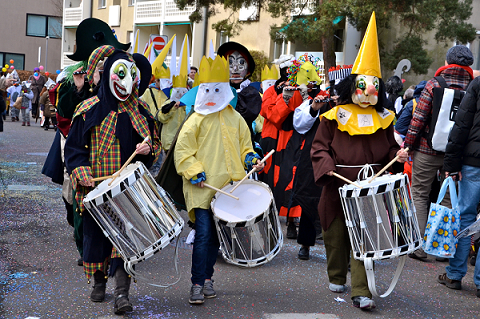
287,95
167,107
303,91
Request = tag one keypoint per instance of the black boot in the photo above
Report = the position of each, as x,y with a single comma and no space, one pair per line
122,280
99,286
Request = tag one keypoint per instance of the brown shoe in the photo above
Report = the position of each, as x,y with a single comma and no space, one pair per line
28,123
450,283
418,254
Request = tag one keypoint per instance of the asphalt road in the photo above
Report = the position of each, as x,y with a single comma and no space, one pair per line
39,277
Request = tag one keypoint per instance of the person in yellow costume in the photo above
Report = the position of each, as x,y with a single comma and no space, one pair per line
214,147
172,113
357,131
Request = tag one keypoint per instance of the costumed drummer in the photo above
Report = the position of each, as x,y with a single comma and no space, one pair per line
357,131
106,130
214,147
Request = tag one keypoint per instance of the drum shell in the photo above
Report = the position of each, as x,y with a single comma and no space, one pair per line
251,240
381,218
135,213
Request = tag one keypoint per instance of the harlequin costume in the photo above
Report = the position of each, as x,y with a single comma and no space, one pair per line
105,131
354,133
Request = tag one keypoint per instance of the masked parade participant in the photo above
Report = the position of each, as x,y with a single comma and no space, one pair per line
357,131
106,130
71,90
214,147
242,66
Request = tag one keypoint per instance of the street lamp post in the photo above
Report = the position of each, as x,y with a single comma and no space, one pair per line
46,52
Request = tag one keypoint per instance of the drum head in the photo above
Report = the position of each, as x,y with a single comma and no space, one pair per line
103,187
254,199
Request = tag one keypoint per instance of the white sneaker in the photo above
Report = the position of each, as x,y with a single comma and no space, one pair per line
363,303
337,288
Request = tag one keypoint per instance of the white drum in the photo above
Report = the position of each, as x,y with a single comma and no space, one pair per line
135,213
381,221
248,229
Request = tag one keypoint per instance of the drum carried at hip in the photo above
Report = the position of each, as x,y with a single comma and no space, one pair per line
248,228
135,213
381,222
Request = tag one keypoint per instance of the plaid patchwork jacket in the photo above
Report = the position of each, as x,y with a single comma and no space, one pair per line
415,138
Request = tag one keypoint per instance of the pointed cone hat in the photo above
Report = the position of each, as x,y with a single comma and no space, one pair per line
368,58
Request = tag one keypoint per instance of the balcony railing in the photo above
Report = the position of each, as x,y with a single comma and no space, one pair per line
73,16
66,61
160,11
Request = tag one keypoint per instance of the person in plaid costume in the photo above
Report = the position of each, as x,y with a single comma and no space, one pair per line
426,161
106,130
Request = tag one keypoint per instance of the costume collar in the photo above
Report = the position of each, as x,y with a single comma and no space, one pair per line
466,68
355,120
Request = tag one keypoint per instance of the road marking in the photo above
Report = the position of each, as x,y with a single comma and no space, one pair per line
299,316
26,188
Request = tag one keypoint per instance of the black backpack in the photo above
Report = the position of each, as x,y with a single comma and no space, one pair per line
446,100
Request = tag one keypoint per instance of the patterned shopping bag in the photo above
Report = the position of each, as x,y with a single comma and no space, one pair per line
443,224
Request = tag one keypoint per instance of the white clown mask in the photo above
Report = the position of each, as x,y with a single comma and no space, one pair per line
123,76
212,97
177,94
266,84
238,66
165,84
366,90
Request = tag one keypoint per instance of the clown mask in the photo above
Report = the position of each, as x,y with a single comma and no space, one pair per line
212,97
308,74
238,67
123,75
366,90
177,94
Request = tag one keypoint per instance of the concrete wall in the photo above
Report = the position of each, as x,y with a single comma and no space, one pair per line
13,15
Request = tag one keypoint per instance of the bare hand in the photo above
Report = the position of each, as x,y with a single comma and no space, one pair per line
258,167
402,156
142,149
454,175
316,105
79,79
88,183
201,184
177,105
330,173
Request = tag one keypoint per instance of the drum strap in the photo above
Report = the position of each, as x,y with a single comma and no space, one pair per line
368,262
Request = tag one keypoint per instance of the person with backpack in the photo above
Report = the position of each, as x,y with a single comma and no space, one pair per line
456,74
405,116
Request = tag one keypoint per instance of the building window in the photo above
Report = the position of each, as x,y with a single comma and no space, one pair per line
102,4
19,60
131,2
43,26
221,38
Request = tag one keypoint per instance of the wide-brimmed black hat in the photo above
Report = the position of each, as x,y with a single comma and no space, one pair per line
92,33
228,47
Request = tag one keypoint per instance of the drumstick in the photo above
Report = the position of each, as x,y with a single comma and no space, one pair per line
220,191
98,179
387,166
114,176
345,179
253,170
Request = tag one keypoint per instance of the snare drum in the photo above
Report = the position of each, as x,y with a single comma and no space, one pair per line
135,213
248,229
381,222
381,218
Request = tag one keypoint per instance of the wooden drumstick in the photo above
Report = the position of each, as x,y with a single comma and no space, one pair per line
253,170
114,176
98,179
220,191
346,179
387,166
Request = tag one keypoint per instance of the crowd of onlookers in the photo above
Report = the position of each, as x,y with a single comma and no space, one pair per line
28,100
